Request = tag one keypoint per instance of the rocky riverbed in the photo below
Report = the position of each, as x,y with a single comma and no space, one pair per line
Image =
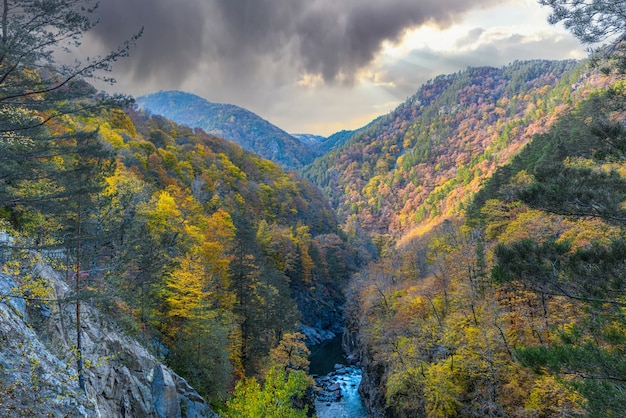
337,395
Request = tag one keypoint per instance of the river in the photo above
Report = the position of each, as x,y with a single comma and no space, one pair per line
340,396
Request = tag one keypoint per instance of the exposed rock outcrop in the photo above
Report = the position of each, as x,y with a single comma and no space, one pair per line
316,336
123,379
322,313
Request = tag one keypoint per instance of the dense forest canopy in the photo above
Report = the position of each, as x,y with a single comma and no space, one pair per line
188,232
516,310
422,162
473,240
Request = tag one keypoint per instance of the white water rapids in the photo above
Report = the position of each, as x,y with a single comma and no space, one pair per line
349,404
339,395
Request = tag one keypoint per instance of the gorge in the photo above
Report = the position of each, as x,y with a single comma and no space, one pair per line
466,250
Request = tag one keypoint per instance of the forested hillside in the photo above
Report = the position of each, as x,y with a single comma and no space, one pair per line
515,307
232,123
421,163
210,256
189,242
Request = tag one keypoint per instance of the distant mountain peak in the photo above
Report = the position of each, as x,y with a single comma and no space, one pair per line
230,122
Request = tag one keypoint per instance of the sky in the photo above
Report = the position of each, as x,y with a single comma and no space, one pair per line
317,66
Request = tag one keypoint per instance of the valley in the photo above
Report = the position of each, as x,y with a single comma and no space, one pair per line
166,256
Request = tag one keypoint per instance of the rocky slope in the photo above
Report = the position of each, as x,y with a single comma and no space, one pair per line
37,359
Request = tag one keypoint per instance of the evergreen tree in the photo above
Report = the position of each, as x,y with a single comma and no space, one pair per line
47,166
590,21
35,90
594,21
264,304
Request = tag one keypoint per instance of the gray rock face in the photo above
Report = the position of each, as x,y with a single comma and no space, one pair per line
18,305
315,336
122,378
33,381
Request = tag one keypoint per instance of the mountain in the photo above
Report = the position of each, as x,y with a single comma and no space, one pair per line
229,122
422,162
309,139
514,307
321,145
126,379
473,247
183,240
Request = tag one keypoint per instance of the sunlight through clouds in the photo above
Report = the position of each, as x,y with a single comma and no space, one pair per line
323,64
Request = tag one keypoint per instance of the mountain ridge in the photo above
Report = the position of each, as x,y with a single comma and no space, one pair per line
419,163
230,122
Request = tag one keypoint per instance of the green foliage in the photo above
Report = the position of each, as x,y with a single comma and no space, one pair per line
576,180
32,103
573,191
274,399
601,372
558,184
591,22
529,262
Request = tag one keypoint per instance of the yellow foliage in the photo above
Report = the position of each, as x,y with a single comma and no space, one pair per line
404,387
184,290
162,213
440,391
112,137
531,224
551,398
121,121
31,287
291,353
498,215
584,232
418,307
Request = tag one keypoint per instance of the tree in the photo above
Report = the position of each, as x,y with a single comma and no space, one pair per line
78,196
46,164
590,21
291,353
35,89
594,21
274,400
33,32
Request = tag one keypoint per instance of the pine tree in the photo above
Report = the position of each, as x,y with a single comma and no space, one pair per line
47,166
35,90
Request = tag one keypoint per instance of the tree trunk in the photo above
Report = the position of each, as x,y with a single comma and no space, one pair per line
79,345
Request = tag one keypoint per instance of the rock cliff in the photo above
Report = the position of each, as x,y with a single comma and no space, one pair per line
37,360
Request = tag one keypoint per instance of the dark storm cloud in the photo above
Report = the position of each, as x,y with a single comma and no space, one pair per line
342,37
172,38
242,38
